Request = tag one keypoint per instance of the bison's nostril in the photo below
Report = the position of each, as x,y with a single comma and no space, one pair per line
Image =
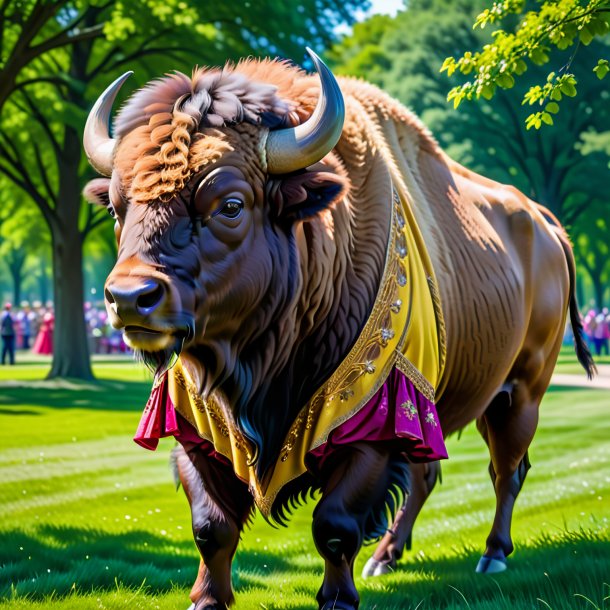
150,299
108,296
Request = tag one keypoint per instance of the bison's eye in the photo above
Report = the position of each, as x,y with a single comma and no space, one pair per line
231,207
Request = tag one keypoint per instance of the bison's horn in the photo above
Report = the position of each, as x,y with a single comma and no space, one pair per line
99,146
291,149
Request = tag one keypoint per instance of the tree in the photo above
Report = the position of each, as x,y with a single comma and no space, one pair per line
565,167
488,136
564,25
57,55
22,234
592,247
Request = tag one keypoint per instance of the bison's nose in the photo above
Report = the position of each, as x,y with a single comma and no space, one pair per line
129,302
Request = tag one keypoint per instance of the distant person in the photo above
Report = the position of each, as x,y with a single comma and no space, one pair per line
44,340
589,326
7,325
25,318
601,334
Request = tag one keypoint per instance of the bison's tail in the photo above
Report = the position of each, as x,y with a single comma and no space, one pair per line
580,345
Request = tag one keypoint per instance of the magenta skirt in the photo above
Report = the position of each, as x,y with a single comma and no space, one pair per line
398,415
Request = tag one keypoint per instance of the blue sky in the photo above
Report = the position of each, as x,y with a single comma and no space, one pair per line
387,7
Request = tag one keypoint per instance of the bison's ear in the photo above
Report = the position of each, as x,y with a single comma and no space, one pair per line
97,191
303,194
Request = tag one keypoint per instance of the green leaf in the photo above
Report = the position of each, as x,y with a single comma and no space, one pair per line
602,68
449,65
520,67
546,118
598,25
556,94
586,36
567,88
539,56
487,91
552,107
505,80
533,120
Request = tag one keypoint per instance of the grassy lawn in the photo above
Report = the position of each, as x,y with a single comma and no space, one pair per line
90,520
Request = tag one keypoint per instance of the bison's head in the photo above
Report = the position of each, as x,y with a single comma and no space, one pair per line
208,178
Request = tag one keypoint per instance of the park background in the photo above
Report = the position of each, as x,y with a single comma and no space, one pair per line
88,519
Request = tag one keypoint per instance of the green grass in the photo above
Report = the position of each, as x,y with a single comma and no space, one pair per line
90,520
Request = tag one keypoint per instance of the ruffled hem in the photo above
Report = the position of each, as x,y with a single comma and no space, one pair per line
398,415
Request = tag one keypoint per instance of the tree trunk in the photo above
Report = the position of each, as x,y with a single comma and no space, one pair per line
15,265
599,287
17,289
70,346
580,292
43,282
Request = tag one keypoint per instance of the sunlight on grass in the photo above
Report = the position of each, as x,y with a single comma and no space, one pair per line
90,520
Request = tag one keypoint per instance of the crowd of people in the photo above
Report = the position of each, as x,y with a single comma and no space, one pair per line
596,325
30,327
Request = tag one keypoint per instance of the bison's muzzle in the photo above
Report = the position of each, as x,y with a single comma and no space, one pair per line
149,312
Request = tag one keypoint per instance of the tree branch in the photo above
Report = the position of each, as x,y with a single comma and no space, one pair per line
44,174
65,38
43,122
22,178
114,50
53,80
95,217
20,54
571,214
138,55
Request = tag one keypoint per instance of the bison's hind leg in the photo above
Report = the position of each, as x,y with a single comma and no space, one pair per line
220,506
508,427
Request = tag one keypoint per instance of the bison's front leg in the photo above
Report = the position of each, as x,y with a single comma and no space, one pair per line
354,487
220,505
392,545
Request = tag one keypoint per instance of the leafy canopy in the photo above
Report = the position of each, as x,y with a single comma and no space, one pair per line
528,39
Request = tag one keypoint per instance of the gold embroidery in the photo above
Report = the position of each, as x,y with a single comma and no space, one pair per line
418,380
430,419
440,321
410,410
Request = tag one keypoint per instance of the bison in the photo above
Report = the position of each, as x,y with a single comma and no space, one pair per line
320,291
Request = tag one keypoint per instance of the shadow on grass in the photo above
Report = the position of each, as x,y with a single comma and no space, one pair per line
57,561
65,394
10,411
552,573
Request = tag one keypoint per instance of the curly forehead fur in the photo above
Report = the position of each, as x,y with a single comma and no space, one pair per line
164,115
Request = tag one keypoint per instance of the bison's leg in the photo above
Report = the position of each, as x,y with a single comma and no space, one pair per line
508,427
220,505
356,485
391,547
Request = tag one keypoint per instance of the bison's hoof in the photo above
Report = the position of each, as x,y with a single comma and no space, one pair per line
489,565
377,568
